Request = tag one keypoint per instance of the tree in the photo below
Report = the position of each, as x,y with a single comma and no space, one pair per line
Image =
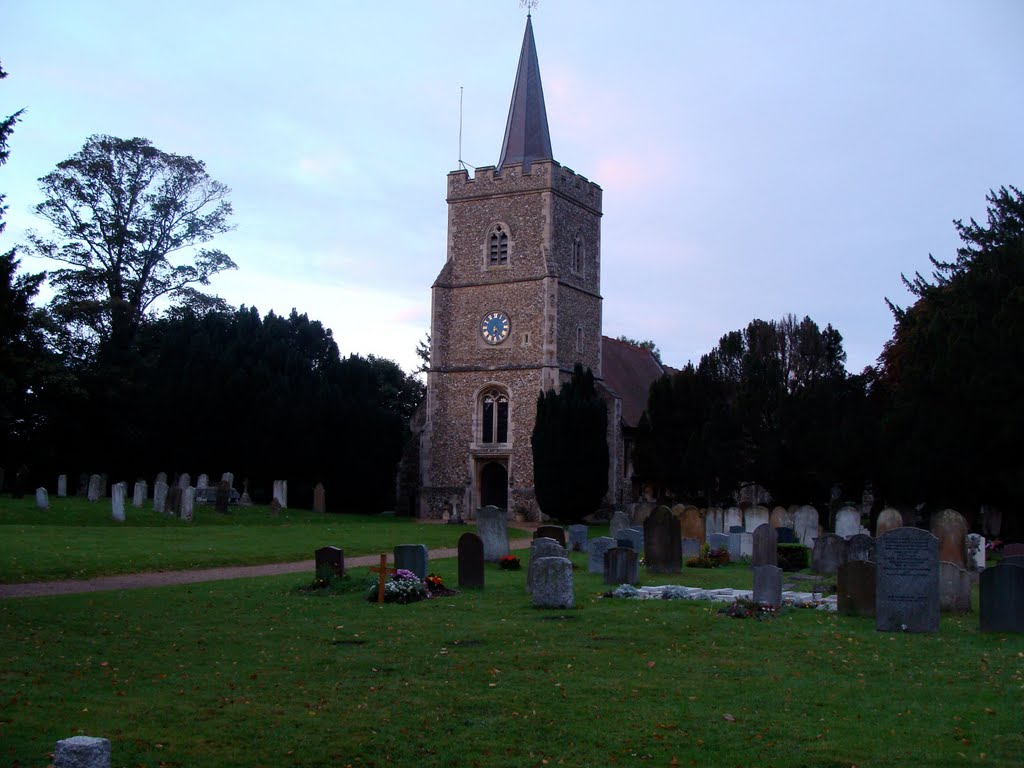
423,353
570,448
121,209
647,344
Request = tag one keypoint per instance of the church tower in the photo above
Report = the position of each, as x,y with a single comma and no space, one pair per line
516,305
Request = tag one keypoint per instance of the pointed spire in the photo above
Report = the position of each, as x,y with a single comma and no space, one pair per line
526,133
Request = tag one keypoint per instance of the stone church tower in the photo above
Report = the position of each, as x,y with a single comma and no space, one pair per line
516,305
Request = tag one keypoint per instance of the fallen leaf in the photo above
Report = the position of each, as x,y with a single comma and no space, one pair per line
729,717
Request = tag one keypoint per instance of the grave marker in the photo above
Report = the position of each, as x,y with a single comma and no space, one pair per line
620,521
555,532
1002,598
765,546
621,566
160,497
907,594
693,525
117,494
42,498
330,561
139,493
93,494
847,522
754,517
492,527
319,499
82,752
471,561
62,486
828,554
888,519
552,586
383,570
595,553
662,543
855,593
412,557
950,528
954,588
860,547
767,583
280,493
578,535
188,502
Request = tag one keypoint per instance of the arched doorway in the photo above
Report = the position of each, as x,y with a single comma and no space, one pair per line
494,485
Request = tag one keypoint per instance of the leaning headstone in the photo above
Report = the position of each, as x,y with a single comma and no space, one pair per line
733,517
578,535
42,498
281,493
160,497
855,592
471,561
620,520
662,543
888,519
975,552
740,545
117,494
860,547
82,752
631,537
950,528
330,561
805,523
62,486
492,527
690,548
555,532
552,585
714,521
718,541
848,522
1001,594
319,498
412,557
621,566
545,546
765,546
754,517
954,588
828,554
693,525
203,481
174,494
907,594
139,493
223,496
767,583
188,503
93,493
595,553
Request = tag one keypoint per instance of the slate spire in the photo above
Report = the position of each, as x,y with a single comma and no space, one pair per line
526,132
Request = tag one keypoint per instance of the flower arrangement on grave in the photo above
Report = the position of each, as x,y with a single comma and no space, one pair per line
994,545
709,558
509,563
748,609
436,588
401,587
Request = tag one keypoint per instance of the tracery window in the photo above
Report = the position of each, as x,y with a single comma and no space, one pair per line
497,247
494,417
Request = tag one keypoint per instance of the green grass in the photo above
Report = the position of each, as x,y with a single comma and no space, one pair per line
78,539
250,673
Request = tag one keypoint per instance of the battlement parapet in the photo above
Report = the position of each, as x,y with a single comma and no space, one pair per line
543,175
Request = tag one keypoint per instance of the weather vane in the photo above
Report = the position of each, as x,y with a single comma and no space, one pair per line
529,5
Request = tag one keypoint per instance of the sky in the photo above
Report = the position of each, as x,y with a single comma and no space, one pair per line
757,158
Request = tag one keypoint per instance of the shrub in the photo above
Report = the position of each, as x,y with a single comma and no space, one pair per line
793,557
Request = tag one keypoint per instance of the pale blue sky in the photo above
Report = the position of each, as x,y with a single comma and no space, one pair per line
757,158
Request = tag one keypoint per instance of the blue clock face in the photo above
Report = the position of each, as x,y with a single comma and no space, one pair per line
495,327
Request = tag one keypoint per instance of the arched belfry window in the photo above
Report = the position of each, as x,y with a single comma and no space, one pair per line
494,417
497,246
578,253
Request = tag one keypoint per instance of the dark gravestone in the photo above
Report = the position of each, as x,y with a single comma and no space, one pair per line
330,561
578,535
492,527
691,548
1012,550
1002,598
860,547
662,543
621,566
412,557
954,588
786,536
767,583
173,506
736,529
828,554
471,561
223,496
595,553
319,498
766,546
855,593
1013,560
555,532
907,594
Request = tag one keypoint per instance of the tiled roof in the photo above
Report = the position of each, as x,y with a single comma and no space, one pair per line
629,371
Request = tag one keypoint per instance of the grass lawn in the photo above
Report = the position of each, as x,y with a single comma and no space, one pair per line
253,673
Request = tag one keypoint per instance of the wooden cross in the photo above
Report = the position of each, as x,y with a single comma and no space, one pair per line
383,570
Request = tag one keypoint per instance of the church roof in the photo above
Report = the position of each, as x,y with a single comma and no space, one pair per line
526,132
629,371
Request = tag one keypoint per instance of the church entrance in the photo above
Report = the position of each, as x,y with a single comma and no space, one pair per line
494,485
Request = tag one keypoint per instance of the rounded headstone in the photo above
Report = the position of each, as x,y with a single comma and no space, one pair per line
950,528
888,519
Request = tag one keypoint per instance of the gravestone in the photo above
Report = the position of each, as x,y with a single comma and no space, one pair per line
319,498
552,585
545,546
555,532
855,592
229,478
787,536
692,525
139,493
732,517
117,494
161,477
888,519
202,482
781,518
595,553
1017,560
805,524
471,561
93,494
223,496
714,521
1012,550
188,503
578,535
950,528
828,554
848,522
765,546
184,480
754,517
975,552
737,529
1002,598
173,501
641,512
621,566
62,486
103,484
492,527
991,521
412,557
82,752
42,498
718,541
954,588
281,493
661,543
160,497
245,500
740,545
631,537
860,547
690,548
907,593
330,561
620,521
767,583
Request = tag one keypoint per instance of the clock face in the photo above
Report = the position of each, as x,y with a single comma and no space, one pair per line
495,327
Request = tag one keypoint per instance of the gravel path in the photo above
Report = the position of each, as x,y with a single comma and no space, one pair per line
165,578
